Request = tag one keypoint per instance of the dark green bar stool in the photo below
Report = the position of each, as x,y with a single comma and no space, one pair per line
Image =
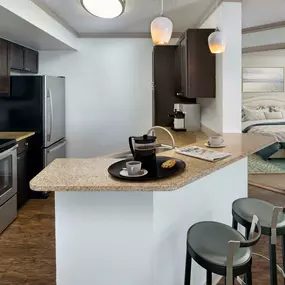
272,221
220,249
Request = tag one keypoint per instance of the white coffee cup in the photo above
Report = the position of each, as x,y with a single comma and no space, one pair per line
215,141
134,167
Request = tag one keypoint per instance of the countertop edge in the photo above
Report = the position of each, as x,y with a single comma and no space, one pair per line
125,188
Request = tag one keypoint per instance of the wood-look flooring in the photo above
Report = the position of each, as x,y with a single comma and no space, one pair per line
27,247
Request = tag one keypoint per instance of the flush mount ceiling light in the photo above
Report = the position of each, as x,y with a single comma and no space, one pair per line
107,9
161,29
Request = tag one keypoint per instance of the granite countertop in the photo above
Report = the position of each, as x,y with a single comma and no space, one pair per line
18,136
92,175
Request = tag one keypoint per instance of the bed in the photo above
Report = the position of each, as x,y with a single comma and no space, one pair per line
265,115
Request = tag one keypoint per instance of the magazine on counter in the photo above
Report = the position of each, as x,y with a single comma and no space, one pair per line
203,153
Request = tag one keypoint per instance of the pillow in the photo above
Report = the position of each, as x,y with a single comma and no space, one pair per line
273,115
253,115
277,108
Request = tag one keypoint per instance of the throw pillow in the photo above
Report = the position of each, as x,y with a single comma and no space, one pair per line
253,115
273,115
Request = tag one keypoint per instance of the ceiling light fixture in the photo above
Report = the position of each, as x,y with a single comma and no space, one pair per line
107,9
217,41
161,29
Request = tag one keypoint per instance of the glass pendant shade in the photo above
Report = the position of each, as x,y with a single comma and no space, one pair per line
161,30
217,42
104,8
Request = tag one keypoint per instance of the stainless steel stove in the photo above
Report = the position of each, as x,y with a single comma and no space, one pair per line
8,182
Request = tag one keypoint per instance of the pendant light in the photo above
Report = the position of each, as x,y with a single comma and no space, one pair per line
161,29
107,9
217,41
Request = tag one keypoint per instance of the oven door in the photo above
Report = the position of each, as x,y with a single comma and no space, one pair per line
8,174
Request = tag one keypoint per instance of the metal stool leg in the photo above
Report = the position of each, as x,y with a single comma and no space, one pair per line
247,230
187,279
234,224
249,277
209,277
273,269
283,253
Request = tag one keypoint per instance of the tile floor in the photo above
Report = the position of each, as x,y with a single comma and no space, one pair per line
27,247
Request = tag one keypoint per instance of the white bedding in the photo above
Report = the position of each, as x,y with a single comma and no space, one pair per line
277,131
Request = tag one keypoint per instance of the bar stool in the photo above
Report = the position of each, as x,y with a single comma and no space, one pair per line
272,221
220,249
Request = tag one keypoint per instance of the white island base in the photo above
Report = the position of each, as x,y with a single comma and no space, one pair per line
139,237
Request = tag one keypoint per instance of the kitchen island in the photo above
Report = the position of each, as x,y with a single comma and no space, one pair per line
115,232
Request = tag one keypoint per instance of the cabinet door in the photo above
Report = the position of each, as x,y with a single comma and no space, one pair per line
31,60
23,179
16,57
183,67
164,84
4,70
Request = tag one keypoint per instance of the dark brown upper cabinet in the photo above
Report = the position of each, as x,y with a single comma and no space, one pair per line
23,59
4,70
164,84
16,57
31,59
195,65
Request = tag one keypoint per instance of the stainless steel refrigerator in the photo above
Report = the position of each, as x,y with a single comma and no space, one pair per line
37,103
54,143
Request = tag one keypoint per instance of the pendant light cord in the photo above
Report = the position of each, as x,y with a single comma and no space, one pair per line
162,7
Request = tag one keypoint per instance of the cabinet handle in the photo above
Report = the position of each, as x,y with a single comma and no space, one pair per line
26,144
180,94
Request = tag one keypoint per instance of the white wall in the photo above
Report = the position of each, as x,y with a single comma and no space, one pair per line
223,114
108,92
264,59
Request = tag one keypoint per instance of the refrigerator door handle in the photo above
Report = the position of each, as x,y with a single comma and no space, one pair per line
57,147
51,114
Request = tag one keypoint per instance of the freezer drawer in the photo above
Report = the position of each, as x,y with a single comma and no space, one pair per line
57,150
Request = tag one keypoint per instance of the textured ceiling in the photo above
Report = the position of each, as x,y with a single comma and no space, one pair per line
136,19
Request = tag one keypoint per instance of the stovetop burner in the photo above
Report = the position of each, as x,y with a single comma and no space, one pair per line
6,144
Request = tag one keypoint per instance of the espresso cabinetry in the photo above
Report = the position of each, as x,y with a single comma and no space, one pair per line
196,65
165,85
23,59
25,170
31,60
14,57
4,70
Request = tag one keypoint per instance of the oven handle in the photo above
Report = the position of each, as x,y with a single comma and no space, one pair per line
8,152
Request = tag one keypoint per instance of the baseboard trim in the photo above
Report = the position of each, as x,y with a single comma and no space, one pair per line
266,187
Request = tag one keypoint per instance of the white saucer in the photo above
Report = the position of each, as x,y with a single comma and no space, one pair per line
125,173
215,146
